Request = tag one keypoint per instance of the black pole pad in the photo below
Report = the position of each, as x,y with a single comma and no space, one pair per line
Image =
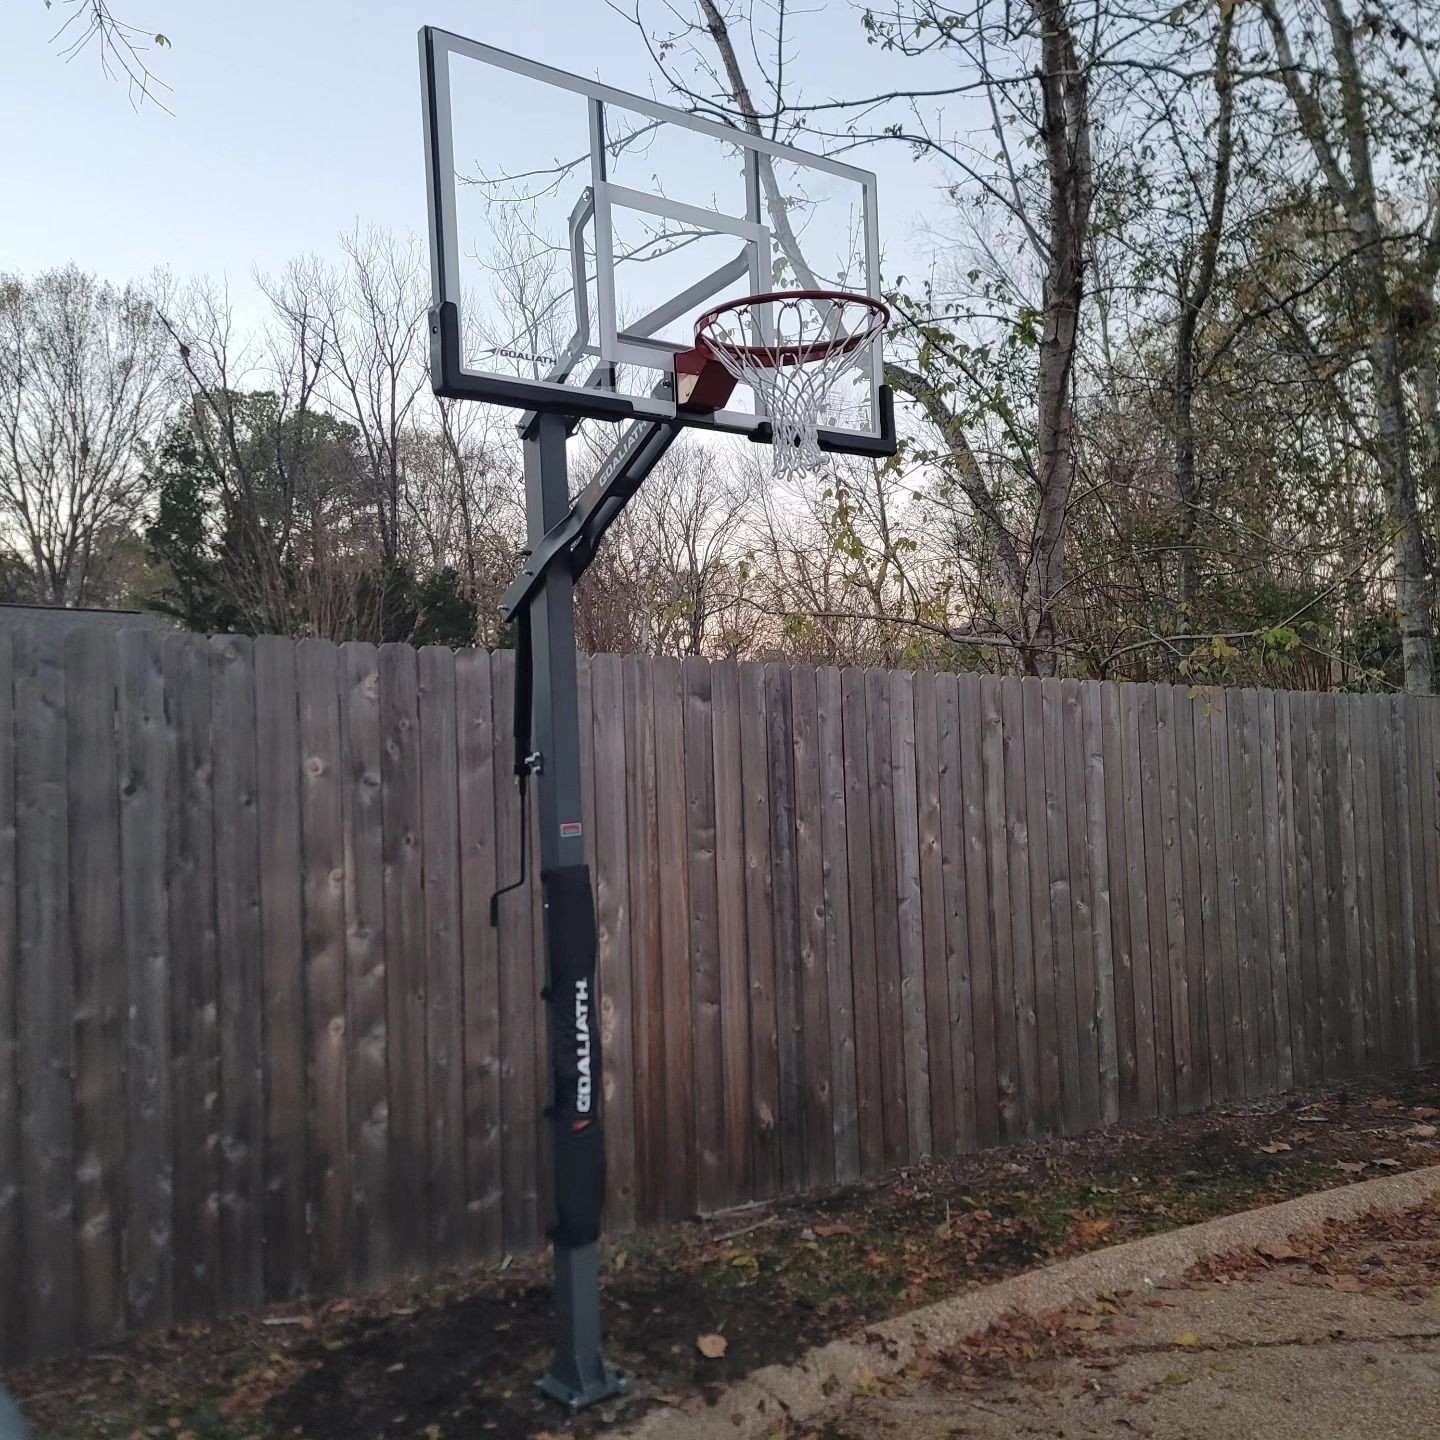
575,1055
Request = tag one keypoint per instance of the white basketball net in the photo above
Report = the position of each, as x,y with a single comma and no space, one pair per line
793,351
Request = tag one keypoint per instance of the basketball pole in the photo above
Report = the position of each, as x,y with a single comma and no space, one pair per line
578,1375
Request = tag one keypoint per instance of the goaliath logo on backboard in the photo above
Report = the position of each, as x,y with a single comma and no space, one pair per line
582,1046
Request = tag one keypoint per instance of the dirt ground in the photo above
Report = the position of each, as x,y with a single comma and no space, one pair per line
459,1355
1333,1333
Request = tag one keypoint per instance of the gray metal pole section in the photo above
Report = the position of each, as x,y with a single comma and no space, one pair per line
578,1375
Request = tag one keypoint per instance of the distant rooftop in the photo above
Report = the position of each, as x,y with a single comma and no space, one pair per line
58,620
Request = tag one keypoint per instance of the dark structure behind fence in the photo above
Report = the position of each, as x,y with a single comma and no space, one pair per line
257,1036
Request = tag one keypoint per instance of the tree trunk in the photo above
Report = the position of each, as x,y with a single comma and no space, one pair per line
1195,291
1065,133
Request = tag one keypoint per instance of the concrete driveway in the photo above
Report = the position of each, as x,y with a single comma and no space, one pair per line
1315,1318
1350,1350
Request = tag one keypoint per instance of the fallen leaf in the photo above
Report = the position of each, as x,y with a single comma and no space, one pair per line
1350,1167
1349,1284
1425,1112
712,1347
1223,1367
1275,1147
1420,1132
396,1368
1278,1250
1175,1377
1385,1104
1369,1377
828,1232
1188,1339
1389,1163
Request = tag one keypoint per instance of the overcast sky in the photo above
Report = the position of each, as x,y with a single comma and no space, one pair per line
291,121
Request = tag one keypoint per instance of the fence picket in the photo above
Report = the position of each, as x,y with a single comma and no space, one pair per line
100,994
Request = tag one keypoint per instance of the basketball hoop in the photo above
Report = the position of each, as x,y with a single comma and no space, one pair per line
792,348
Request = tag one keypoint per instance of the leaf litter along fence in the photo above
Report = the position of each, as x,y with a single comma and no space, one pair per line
258,1038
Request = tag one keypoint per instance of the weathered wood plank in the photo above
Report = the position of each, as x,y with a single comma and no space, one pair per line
1289,881
328,1192
1017,866
1333,960
1250,901
239,942
1062,909
480,978
1177,975
1295,762
282,936
1352,968
940,1060
14,1338
45,1013
1337,1018
893,1101
1229,1016
1363,781
862,920
704,949
1157,909
611,845
908,914
813,974
194,974
146,750
992,760
980,947
1082,905
1427,876
959,1021
1097,844
519,973
1139,838
785,911
93,822
760,931
1320,871
1413,881
1042,923
734,957
1187,780
1127,1055
668,698
363,899
444,1012
1397,857
840,977
647,974
1277,999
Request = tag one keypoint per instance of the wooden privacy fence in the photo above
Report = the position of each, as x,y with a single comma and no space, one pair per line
257,1036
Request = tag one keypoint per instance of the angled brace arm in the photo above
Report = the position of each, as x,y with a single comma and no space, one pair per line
595,509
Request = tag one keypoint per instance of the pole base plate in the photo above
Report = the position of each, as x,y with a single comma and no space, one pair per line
606,1386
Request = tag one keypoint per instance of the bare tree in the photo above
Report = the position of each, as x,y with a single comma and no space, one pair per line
1355,106
91,25
84,381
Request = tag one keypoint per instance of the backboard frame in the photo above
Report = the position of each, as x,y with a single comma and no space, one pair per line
600,334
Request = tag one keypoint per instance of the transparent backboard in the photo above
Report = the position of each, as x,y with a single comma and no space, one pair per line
577,234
